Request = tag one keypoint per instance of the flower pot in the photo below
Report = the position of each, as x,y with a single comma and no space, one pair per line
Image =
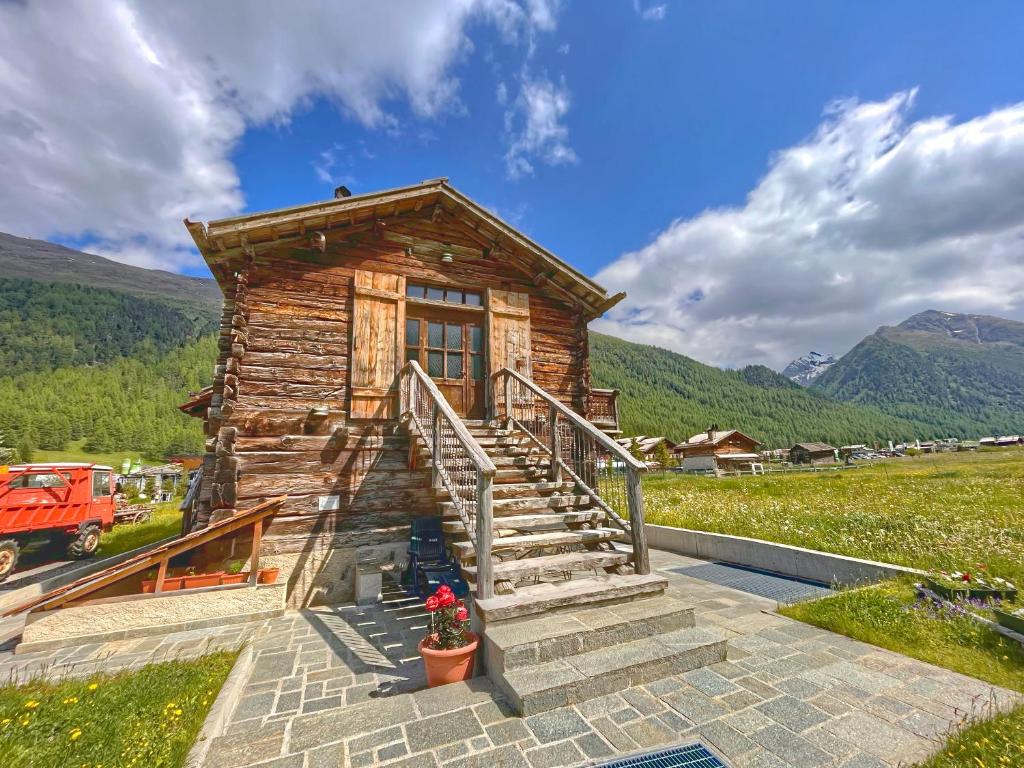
204,580
148,585
234,578
452,666
268,575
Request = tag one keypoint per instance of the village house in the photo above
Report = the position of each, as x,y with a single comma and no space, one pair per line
650,447
715,449
812,453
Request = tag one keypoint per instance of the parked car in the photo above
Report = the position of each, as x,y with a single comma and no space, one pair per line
71,504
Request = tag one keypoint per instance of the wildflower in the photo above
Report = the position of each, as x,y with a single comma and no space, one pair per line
70,700
76,734
31,704
93,686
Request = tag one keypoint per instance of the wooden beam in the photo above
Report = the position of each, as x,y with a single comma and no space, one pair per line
161,574
254,558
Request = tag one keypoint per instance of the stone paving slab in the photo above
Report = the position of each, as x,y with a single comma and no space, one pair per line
344,686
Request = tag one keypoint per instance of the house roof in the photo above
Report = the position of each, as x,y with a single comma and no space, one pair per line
198,402
814,447
224,243
647,444
718,437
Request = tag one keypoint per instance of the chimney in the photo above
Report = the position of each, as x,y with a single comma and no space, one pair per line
711,431
341,192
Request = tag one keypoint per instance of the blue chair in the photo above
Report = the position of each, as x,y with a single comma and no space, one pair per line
429,564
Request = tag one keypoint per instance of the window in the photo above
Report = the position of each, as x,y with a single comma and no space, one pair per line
442,348
38,480
447,295
100,484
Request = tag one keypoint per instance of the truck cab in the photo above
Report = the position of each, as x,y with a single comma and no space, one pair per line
70,504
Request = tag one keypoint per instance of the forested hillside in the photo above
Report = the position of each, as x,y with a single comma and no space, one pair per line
664,393
962,373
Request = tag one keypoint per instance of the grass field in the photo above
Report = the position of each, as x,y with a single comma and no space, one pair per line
946,511
149,717
166,521
75,452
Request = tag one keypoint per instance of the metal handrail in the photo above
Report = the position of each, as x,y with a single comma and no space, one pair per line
562,432
459,462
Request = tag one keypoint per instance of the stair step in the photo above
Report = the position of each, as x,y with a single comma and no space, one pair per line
551,522
595,673
505,507
463,550
524,475
508,462
539,639
537,566
538,598
520,490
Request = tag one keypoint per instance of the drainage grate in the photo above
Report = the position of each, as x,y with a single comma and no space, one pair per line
690,756
782,589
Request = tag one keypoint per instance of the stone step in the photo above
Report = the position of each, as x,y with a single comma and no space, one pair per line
519,490
539,598
557,521
591,674
506,507
463,550
513,570
549,637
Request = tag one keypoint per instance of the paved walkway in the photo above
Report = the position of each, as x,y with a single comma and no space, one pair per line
344,687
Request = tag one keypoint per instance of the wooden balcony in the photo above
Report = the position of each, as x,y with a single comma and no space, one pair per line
603,410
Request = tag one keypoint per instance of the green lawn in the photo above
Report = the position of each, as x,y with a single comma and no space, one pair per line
75,452
945,511
149,717
166,521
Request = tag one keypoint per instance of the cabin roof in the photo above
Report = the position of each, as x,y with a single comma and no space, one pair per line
225,242
814,447
718,436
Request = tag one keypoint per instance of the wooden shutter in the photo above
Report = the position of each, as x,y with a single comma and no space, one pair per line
378,320
508,331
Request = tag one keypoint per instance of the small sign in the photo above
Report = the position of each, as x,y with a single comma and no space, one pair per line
327,503
4,469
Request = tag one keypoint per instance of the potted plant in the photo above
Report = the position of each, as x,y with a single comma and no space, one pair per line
449,649
268,575
233,574
964,585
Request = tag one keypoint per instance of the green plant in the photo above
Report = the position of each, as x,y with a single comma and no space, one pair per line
235,566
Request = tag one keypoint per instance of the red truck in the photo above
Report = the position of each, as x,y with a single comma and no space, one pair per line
70,504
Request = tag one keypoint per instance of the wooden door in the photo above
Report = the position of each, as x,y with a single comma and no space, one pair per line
449,346
378,317
508,331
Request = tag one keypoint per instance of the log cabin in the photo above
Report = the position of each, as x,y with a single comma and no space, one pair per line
405,354
710,450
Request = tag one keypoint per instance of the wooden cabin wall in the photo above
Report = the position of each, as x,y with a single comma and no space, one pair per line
288,349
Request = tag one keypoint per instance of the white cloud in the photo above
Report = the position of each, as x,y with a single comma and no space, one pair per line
871,219
535,123
118,119
652,12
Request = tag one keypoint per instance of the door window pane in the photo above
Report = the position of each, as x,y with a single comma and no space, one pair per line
476,338
454,336
476,367
412,353
437,294
454,365
435,364
435,334
412,332
473,299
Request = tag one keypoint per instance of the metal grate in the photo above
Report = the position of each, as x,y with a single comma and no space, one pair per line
782,589
690,756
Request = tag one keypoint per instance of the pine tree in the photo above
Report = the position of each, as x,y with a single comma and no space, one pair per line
26,452
6,452
662,455
634,450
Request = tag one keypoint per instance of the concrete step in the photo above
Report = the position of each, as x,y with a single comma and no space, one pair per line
514,570
519,490
463,550
550,637
506,507
590,674
540,598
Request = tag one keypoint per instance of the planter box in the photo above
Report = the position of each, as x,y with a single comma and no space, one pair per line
969,591
177,583
1010,621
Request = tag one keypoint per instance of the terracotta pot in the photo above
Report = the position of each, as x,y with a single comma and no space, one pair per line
148,585
445,667
268,575
234,578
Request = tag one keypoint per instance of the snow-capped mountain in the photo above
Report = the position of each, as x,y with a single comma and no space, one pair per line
806,369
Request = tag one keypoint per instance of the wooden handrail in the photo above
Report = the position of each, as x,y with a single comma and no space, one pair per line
477,454
603,439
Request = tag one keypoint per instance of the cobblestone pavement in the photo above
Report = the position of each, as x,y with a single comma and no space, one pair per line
343,687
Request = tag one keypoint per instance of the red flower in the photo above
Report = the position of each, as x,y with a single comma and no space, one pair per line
433,603
966,577
444,589
444,599
462,614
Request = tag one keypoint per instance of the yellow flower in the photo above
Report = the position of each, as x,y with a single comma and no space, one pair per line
75,734
93,686
31,704
71,700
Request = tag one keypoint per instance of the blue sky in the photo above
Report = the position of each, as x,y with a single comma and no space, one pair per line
762,178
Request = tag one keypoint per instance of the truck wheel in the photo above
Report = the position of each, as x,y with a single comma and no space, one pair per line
8,557
85,543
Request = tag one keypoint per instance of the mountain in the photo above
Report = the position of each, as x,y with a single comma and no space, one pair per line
806,369
665,393
962,373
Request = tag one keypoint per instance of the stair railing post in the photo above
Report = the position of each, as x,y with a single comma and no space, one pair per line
435,446
484,535
635,501
508,397
556,445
